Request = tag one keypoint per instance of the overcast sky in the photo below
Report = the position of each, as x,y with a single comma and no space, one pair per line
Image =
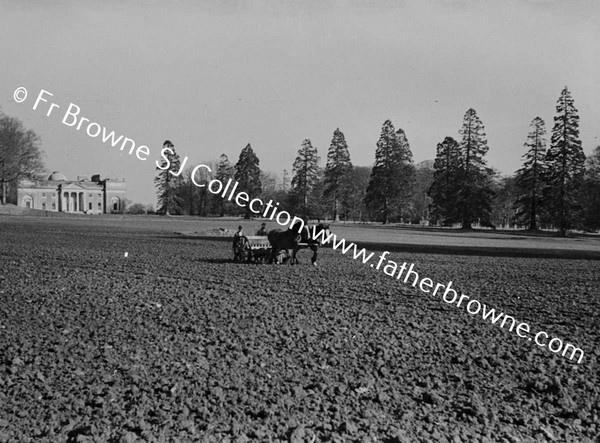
213,76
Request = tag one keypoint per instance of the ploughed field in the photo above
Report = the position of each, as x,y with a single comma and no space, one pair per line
175,342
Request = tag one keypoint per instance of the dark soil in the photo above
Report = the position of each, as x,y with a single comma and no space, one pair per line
175,342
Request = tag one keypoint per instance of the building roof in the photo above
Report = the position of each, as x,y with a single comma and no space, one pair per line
58,177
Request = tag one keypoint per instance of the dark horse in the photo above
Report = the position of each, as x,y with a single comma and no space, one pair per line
283,241
296,238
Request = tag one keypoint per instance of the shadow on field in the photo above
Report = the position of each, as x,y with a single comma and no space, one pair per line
487,251
223,239
458,232
482,251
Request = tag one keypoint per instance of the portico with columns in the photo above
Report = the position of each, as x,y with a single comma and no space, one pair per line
95,196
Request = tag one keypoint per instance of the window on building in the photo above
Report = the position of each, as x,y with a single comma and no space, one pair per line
99,206
44,206
115,203
54,206
90,206
90,196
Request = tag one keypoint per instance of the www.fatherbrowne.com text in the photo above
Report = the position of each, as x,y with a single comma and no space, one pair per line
451,296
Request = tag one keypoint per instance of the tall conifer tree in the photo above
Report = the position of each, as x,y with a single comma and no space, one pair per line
225,171
167,184
565,165
475,193
337,169
529,178
392,176
591,192
447,176
305,175
247,174
285,180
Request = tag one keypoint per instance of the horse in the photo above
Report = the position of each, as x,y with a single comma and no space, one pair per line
296,238
311,237
283,241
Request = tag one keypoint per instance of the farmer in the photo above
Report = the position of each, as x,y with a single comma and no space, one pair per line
262,230
238,244
238,236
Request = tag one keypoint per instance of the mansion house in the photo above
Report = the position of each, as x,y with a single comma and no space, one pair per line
58,193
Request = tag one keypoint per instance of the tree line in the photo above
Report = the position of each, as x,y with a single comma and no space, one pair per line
337,191
556,187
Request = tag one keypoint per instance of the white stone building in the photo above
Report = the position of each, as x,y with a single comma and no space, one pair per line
58,193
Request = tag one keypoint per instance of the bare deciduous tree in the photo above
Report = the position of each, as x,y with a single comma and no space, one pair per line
20,155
